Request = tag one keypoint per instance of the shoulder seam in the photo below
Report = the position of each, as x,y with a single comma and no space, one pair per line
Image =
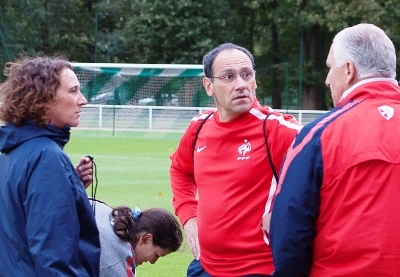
203,115
274,116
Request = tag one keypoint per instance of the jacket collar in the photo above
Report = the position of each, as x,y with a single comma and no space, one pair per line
366,87
12,136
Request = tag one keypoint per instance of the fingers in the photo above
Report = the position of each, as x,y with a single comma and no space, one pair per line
84,171
194,245
191,231
266,223
87,179
196,248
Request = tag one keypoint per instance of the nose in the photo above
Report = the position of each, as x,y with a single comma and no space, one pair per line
328,80
82,100
239,83
154,260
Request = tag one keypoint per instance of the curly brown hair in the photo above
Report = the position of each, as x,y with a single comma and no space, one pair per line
30,86
159,222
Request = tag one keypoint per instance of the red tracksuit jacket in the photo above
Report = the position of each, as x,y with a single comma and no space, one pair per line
337,212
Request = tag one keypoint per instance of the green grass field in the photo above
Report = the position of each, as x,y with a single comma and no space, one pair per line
132,169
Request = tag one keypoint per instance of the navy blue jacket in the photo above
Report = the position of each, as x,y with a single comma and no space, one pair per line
47,226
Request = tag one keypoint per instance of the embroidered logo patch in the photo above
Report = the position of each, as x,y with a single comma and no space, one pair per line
243,150
199,149
386,111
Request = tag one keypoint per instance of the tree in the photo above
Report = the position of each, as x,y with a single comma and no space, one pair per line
321,20
48,27
178,31
289,39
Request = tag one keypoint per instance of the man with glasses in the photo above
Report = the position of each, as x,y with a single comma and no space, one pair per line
230,159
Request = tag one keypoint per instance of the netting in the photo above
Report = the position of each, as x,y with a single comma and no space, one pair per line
143,84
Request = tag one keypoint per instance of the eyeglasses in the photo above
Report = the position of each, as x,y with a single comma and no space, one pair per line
230,77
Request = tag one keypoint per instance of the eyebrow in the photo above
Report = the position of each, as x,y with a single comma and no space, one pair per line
243,68
74,87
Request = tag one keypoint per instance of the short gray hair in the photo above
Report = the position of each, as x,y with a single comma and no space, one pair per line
369,48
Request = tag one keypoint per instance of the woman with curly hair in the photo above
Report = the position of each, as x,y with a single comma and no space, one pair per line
130,237
47,226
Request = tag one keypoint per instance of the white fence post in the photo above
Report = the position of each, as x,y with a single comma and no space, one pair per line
150,118
100,116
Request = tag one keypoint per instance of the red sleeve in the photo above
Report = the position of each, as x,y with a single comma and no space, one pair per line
282,132
182,180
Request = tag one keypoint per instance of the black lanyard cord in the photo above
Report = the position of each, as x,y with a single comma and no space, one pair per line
94,182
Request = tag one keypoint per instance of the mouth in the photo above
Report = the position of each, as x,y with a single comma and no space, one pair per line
240,97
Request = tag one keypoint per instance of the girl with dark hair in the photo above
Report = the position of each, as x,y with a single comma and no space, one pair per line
130,237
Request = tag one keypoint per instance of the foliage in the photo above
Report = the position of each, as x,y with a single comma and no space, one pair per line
47,27
296,33
177,31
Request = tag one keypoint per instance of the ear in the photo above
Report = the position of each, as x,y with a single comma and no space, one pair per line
350,72
146,238
208,86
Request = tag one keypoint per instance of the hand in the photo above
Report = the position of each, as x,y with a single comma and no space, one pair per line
84,170
266,222
192,236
